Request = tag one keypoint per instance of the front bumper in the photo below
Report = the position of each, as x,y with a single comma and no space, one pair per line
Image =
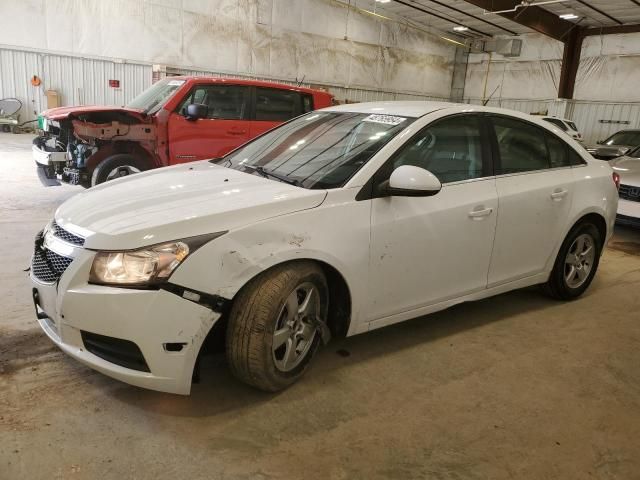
628,213
45,164
150,319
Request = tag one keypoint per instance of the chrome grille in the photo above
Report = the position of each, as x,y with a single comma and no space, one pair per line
63,234
628,192
48,266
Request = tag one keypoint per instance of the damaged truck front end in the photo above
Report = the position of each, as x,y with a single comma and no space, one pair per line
89,145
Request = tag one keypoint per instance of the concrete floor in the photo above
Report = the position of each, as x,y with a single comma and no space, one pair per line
518,386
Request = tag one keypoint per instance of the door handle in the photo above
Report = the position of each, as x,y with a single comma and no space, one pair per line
482,212
236,131
559,194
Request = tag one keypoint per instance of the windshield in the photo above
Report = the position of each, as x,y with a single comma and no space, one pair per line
628,137
154,97
317,150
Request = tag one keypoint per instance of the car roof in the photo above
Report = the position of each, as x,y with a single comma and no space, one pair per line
401,108
245,81
420,108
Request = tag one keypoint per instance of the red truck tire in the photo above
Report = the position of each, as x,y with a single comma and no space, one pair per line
116,166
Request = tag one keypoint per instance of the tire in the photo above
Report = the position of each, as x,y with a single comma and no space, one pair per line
6,128
260,310
562,285
117,166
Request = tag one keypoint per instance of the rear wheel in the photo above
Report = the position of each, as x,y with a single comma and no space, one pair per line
116,166
273,330
576,264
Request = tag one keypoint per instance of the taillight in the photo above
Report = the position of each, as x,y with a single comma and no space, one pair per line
616,180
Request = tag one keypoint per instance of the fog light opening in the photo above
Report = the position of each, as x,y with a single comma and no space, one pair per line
174,347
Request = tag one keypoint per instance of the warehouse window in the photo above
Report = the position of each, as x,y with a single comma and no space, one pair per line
521,145
277,105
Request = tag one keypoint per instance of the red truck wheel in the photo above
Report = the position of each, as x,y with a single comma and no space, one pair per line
116,166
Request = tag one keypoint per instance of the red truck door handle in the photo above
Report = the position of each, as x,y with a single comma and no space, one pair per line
236,131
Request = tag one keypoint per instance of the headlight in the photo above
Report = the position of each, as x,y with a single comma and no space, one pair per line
146,266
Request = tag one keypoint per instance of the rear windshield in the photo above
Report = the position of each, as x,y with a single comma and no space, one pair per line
629,137
317,150
557,123
571,125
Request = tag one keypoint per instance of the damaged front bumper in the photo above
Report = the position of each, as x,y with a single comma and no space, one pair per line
147,338
45,164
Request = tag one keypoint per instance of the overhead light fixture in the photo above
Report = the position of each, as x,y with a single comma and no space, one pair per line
568,16
383,1
460,28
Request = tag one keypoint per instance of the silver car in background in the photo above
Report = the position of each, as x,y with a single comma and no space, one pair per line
628,167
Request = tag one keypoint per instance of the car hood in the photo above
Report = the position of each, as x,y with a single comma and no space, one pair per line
178,202
61,113
606,152
629,170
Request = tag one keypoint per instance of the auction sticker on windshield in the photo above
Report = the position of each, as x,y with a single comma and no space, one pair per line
385,119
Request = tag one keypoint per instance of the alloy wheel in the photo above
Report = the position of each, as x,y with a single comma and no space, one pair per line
579,260
296,329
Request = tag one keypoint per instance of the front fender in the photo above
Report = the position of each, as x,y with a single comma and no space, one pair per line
340,239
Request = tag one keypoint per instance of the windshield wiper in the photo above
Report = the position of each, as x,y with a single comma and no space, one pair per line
271,174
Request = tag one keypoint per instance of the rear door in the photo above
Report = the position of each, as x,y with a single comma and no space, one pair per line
535,187
273,106
226,127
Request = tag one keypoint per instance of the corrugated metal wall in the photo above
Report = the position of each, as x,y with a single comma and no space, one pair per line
593,118
83,81
78,81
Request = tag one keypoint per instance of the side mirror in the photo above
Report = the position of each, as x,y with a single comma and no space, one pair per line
196,111
411,181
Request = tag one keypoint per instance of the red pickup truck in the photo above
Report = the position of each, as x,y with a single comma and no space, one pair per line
176,120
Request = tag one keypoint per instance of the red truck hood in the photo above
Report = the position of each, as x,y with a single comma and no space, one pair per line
61,113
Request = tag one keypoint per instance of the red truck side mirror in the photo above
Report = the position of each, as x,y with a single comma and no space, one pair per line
196,111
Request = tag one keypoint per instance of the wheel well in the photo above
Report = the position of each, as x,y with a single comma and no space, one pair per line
339,308
599,222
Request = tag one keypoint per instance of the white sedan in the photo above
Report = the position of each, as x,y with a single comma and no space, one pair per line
628,167
338,222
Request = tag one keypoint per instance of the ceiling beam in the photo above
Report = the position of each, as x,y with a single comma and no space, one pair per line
586,32
475,17
533,17
604,14
453,22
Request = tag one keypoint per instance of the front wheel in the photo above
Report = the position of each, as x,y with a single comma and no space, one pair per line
576,264
274,325
116,166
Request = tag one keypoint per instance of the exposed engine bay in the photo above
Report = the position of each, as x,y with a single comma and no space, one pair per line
70,148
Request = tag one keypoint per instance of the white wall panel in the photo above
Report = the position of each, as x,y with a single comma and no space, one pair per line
78,81
320,40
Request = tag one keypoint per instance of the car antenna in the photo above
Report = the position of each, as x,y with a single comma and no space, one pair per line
484,102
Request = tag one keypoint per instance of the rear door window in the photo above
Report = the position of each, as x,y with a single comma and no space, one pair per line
521,145
277,105
558,152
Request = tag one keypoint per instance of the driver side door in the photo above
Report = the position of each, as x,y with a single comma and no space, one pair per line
226,127
438,247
